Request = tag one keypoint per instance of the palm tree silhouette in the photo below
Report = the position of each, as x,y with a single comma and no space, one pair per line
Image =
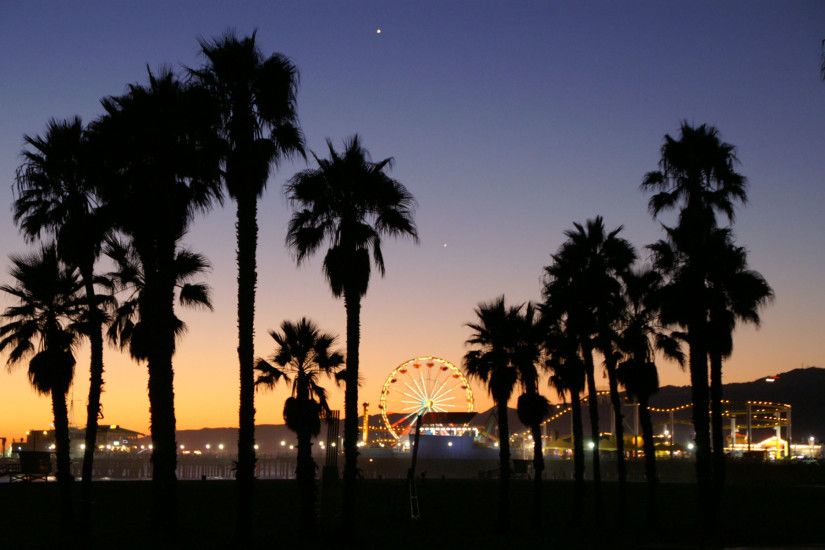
696,175
564,361
492,361
56,198
640,338
302,354
158,155
256,97
128,329
352,203
737,294
585,282
532,407
41,325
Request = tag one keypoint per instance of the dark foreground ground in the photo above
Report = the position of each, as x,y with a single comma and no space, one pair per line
455,514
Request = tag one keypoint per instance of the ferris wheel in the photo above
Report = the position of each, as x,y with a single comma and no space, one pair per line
421,385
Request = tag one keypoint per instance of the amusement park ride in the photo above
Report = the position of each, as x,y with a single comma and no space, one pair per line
435,390
419,386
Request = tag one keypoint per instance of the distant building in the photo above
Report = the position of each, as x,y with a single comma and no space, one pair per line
110,437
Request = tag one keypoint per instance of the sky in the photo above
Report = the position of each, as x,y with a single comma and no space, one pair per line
508,121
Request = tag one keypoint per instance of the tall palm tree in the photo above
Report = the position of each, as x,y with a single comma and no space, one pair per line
157,156
532,407
491,361
737,294
302,355
585,281
351,203
696,175
256,97
55,197
41,326
640,338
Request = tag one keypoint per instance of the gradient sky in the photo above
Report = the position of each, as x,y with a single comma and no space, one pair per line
508,121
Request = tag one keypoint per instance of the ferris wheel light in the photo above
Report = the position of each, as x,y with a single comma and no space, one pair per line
412,392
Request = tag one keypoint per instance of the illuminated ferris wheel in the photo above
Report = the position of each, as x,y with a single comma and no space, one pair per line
422,385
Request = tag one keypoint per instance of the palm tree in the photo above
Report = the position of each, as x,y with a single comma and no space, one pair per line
532,407
564,361
258,127
737,294
127,329
158,155
302,354
696,175
41,326
641,336
491,361
55,197
351,203
585,281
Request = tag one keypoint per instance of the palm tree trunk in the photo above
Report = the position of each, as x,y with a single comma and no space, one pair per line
164,444
699,395
717,432
352,303
246,228
578,440
593,409
305,475
64,471
504,466
578,455
538,469
95,389
618,429
158,313
650,461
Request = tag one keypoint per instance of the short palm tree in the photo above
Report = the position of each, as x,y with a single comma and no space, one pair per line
491,361
532,407
41,326
640,338
350,203
256,97
127,329
563,360
56,198
302,355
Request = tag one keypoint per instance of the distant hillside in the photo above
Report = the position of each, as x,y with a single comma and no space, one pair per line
803,389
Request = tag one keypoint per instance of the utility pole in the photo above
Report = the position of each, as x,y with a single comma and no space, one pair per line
365,431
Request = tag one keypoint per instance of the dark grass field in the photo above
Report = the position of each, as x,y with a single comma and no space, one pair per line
454,514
